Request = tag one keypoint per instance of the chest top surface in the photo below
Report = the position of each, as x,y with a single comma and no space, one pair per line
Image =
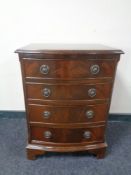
68,49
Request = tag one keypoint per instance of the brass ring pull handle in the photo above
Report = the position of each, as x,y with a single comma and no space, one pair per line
46,92
47,134
87,135
95,69
44,69
46,114
92,92
90,114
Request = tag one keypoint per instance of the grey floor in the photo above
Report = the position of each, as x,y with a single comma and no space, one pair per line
13,159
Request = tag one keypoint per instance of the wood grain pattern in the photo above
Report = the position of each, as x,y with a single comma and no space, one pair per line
68,91
68,80
34,150
69,69
67,114
62,48
68,135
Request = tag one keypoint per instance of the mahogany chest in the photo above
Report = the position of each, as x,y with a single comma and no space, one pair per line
67,89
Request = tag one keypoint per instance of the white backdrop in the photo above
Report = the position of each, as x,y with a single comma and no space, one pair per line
63,21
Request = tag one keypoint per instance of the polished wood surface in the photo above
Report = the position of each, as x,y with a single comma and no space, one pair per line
69,69
67,114
67,92
68,48
34,150
68,135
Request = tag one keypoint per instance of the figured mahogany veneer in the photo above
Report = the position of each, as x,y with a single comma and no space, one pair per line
67,90
68,69
67,135
67,114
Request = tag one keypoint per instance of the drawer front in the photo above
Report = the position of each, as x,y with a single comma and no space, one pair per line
67,135
67,114
68,92
69,69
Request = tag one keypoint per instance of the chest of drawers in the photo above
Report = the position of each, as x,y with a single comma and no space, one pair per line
67,91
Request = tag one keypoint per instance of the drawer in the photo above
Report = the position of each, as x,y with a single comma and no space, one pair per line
67,135
67,114
68,91
69,69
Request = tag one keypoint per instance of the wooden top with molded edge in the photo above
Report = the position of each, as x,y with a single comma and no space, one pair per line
68,49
